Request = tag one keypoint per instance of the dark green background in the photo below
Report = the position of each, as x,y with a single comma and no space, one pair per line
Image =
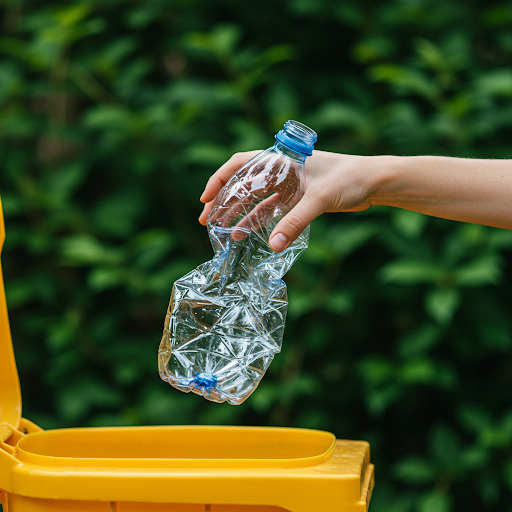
114,113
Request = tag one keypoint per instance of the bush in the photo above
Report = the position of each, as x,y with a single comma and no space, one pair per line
113,115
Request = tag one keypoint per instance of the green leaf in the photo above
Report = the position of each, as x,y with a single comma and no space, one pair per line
410,272
101,279
141,16
82,249
373,48
108,117
410,224
497,82
376,369
117,214
415,470
336,114
276,54
410,80
431,55
474,418
419,340
73,14
64,332
18,293
474,458
419,371
340,302
380,399
151,246
508,473
207,154
435,502
301,304
479,272
67,179
347,238
225,37
442,304
222,40
495,437
10,80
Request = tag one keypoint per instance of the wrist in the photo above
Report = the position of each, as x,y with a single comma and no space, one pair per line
385,171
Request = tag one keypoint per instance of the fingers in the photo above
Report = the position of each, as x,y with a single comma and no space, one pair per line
206,211
225,215
295,222
257,218
222,175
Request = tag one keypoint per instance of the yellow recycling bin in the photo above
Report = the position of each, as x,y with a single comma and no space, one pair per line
170,469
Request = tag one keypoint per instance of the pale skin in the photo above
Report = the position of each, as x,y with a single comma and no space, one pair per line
463,189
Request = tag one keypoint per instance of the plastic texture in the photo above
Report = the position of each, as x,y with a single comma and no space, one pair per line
226,319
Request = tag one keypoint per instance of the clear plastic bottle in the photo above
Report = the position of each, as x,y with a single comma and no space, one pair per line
226,318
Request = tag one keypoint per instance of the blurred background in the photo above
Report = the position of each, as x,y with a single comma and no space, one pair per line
114,113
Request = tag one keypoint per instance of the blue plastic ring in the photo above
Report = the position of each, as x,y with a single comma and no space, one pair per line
293,145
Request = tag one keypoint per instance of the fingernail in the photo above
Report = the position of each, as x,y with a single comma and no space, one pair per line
279,242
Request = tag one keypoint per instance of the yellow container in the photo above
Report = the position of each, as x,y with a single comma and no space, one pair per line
170,469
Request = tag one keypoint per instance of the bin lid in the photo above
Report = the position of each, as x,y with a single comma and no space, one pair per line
10,392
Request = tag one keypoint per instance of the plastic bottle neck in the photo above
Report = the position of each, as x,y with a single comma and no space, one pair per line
298,139
285,150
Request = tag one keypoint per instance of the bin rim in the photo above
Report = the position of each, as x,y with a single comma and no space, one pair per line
312,447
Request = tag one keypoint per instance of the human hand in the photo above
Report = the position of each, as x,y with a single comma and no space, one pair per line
334,183
266,188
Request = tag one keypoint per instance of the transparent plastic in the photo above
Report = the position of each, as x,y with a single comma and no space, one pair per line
226,318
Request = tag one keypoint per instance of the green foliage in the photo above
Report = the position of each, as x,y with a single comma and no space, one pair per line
113,115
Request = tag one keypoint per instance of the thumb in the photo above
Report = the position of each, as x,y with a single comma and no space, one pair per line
295,222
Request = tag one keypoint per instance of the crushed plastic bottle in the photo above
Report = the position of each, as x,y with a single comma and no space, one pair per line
226,318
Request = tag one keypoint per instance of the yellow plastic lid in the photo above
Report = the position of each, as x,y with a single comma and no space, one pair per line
10,392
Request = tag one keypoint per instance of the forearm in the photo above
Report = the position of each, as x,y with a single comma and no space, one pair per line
463,189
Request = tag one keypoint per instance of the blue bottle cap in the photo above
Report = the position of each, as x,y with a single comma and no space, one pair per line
298,137
205,380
